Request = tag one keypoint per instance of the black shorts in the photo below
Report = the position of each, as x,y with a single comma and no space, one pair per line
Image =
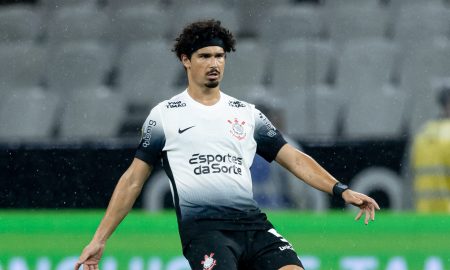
232,250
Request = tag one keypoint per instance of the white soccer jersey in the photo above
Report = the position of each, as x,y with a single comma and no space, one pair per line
207,152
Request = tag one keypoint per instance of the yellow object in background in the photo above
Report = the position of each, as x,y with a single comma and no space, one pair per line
431,167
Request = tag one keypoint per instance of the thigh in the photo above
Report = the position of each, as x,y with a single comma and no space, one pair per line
211,250
269,250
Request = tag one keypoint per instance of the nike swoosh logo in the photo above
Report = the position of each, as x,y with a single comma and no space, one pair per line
183,130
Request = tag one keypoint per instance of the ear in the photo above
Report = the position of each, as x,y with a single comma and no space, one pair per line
186,61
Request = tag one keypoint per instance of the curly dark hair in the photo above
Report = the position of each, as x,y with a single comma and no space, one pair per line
201,31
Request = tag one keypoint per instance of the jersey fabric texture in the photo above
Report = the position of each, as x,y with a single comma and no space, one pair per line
207,152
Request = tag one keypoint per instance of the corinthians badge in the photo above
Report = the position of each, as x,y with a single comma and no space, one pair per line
237,129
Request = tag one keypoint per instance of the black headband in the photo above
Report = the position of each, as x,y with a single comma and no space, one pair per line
201,43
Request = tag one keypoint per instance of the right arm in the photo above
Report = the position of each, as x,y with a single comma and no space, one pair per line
127,190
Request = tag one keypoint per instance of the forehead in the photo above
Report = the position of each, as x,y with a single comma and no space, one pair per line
210,50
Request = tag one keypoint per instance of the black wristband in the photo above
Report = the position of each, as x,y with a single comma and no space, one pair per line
338,189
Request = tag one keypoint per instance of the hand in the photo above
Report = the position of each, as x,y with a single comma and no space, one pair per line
90,257
366,204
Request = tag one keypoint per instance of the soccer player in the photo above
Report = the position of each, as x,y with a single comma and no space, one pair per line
206,141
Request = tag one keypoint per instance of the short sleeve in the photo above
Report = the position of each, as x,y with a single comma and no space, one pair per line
153,139
268,139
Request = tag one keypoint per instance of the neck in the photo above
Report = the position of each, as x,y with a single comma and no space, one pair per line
206,96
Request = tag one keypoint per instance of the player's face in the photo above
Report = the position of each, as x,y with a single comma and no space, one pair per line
206,66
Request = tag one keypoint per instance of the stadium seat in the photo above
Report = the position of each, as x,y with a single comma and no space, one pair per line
365,65
138,23
92,113
415,23
375,115
78,65
19,23
290,22
79,23
346,23
420,66
147,72
379,179
155,192
115,5
312,113
331,4
189,14
300,64
246,66
22,65
252,14
28,114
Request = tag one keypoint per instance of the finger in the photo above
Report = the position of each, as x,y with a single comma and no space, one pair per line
372,212
358,216
77,265
367,215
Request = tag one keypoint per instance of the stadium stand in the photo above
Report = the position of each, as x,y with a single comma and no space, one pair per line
23,65
365,65
76,65
78,23
146,77
28,114
92,113
289,22
19,23
138,23
300,64
346,23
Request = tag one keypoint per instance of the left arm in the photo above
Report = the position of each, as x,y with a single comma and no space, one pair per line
308,170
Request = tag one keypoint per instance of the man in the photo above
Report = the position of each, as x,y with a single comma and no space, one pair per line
207,141
430,160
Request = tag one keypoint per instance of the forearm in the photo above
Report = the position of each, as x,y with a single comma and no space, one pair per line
124,196
306,168
120,204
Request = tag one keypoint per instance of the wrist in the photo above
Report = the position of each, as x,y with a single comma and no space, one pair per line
338,189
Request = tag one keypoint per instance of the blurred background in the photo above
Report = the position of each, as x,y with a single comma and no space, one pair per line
363,86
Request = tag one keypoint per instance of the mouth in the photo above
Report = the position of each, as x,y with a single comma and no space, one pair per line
213,75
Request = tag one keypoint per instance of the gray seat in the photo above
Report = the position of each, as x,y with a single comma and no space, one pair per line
290,22
189,14
27,114
416,24
78,65
147,72
300,64
138,23
252,14
19,23
92,114
365,65
312,113
419,68
346,23
79,23
25,65
245,67
375,115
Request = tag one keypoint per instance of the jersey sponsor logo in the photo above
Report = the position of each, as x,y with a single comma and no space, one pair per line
175,104
237,129
185,129
209,262
219,163
289,247
236,104
147,133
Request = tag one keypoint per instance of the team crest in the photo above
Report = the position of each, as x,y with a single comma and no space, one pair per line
237,129
209,262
